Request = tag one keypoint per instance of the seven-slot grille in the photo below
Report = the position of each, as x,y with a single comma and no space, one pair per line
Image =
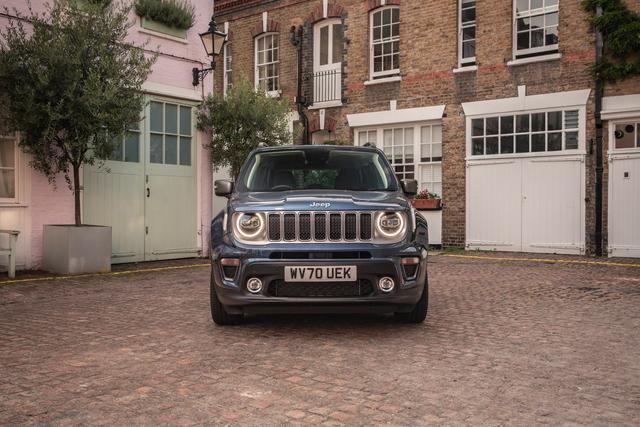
319,226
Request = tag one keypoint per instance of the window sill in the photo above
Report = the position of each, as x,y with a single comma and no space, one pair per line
465,69
533,59
328,104
163,35
13,205
383,80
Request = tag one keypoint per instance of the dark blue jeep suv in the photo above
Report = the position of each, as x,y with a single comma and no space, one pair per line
318,229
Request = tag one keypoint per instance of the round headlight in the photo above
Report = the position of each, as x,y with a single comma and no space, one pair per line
249,225
390,224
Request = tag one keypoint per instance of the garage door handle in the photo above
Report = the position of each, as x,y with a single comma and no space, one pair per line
148,192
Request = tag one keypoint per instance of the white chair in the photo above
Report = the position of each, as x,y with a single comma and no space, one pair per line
11,251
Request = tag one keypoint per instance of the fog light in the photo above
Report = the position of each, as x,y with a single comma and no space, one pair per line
386,284
254,285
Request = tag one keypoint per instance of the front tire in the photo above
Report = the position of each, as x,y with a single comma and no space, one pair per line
419,311
218,312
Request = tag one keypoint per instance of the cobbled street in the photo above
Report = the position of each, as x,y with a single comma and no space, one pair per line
506,342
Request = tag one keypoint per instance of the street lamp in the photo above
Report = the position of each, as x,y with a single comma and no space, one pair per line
213,41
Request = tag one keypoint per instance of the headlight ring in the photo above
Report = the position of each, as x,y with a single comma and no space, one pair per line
390,224
249,225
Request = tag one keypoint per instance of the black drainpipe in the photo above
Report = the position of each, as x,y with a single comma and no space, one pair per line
295,37
599,156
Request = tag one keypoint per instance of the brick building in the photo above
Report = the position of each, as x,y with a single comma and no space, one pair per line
488,103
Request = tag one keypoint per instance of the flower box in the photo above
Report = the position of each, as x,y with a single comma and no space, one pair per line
427,203
159,27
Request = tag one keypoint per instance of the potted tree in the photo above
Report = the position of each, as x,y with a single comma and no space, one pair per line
426,200
243,120
72,84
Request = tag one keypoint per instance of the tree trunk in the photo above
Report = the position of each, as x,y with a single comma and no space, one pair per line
76,194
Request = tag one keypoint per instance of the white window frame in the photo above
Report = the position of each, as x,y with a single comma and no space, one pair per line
518,54
329,67
12,139
227,68
276,92
388,73
417,160
465,62
612,138
581,134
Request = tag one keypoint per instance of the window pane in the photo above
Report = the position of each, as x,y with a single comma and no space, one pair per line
185,120
537,38
523,24
506,124
7,184
624,135
554,120
377,18
522,143
506,144
477,127
388,141
536,4
551,19
571,119
538,122
171,118
469,15
523,40
437,133
396,14
156,117
571,140
492,145
522,123
638,135
185,151
324,45
477,146
492,126
537,142
155,148
469,33
337,43
436,152
7,153
551,36
469,49
132,148
554,141
170,150
537,22
522,5
116,154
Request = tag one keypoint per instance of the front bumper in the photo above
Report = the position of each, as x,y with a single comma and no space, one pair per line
378,263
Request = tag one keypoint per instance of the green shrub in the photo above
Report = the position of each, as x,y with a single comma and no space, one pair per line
173,13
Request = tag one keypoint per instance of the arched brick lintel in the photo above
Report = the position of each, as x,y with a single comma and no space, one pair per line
334,10
272,27
374,4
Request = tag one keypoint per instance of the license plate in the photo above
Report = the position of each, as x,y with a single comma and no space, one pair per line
342,273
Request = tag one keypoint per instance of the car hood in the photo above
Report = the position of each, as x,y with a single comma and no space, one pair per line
321,200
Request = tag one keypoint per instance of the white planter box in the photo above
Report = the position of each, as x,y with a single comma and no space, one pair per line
68,249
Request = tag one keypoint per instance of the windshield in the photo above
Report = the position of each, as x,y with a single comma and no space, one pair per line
317,169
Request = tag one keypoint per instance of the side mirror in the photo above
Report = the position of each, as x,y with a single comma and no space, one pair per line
223,188
409,186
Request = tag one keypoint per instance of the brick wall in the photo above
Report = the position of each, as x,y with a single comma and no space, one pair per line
428,54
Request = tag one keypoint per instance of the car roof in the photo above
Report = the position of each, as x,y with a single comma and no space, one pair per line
314,147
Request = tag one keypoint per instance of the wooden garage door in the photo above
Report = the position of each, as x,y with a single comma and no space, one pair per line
526,204
147,191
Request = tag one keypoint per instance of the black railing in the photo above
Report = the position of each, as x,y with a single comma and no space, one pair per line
327,86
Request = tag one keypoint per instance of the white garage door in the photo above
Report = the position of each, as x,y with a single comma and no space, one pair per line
624,190
526,204
147,191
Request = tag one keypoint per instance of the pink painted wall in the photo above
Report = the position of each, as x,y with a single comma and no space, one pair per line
51,205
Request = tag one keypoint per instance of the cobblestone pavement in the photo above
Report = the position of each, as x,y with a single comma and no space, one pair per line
505,343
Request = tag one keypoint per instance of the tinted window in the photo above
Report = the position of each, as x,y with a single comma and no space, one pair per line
317,169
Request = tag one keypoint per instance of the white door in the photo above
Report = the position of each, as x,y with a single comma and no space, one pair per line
147,191
624,189
170,193
526,204
327,62
494,205
113,195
